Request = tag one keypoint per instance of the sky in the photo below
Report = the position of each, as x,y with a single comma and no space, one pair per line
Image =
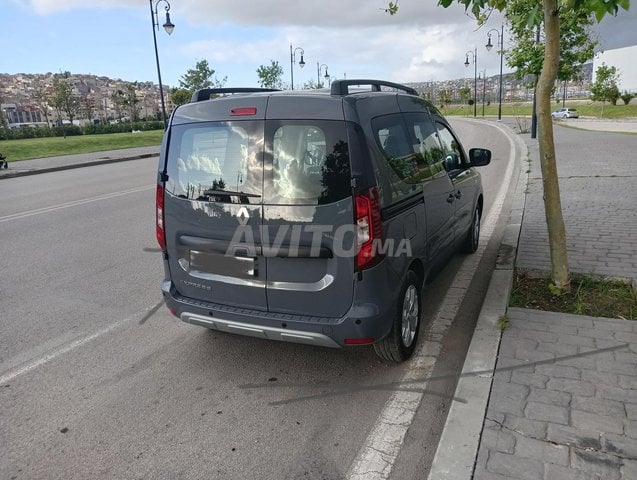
353,38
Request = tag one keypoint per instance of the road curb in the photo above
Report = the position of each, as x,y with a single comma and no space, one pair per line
458,447
105,161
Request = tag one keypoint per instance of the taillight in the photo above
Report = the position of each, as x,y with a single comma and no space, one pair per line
369,229
159,218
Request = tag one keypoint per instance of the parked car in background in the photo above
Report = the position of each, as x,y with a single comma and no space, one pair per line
565,113
313,216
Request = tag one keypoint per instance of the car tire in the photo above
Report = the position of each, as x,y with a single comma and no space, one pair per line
400,344
472,239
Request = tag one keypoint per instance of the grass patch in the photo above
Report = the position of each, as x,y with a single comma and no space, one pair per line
584,108
28,148
588,296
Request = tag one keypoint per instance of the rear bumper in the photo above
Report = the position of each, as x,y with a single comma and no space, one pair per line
361,321
259,331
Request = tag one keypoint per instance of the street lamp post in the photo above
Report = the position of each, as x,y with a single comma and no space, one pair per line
489,46
474,55
318,73
484,88
169,27
293,61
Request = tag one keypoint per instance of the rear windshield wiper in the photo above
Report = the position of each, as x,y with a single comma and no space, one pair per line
230,192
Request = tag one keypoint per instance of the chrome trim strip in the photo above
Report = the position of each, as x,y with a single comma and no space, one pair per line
259,331
317,286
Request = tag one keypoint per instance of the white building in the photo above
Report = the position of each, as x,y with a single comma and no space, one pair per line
624,60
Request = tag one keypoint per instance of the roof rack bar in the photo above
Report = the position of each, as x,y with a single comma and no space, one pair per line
341,87
206,93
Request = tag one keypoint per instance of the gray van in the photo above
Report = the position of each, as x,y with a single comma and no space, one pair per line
312,216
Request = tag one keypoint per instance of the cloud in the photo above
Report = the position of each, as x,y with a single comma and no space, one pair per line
281,13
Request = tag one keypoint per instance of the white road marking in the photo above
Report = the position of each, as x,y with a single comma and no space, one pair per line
74,203
376,458
67,348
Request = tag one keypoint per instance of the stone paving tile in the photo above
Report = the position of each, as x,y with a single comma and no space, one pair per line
554,418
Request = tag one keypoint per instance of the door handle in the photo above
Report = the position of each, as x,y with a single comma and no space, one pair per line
458,194
450,198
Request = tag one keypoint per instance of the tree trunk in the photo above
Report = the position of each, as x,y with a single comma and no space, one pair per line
552,204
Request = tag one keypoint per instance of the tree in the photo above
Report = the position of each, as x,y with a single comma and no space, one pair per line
3,118
577,44
117,99
63,98
180,96
627,97
87,106
312,85
465,95
270,77
131,102
604,88
444,96
40,96
202,76
552,12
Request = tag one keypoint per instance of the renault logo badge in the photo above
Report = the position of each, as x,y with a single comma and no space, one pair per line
243,216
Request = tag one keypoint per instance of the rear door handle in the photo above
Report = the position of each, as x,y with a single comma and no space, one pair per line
458,194
451,198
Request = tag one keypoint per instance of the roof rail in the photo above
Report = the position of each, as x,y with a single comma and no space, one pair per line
206,93
341,87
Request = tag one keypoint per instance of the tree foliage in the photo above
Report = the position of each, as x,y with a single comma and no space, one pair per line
201,76
604,88
465,95
87,106
180,96
270,76
577,44
627,97
63,98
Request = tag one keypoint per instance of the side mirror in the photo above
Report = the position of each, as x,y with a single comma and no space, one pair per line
452,162
479,157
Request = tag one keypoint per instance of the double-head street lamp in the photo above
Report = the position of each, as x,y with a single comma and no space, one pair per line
293,61
474,55
318,74
169,27
489,46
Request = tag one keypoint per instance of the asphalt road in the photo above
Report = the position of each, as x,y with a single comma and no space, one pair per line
95,384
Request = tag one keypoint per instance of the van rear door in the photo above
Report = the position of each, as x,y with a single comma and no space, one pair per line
308,234
213,202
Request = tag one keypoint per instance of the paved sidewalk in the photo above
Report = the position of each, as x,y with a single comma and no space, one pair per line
65,162
563,401
627,125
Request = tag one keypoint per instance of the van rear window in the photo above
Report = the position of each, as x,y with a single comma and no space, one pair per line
216,162
310,162
305,163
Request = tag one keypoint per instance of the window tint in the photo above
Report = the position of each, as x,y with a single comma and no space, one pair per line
207,160
310,162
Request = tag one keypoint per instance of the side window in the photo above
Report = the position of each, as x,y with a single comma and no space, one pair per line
398,168
425,140
454,156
